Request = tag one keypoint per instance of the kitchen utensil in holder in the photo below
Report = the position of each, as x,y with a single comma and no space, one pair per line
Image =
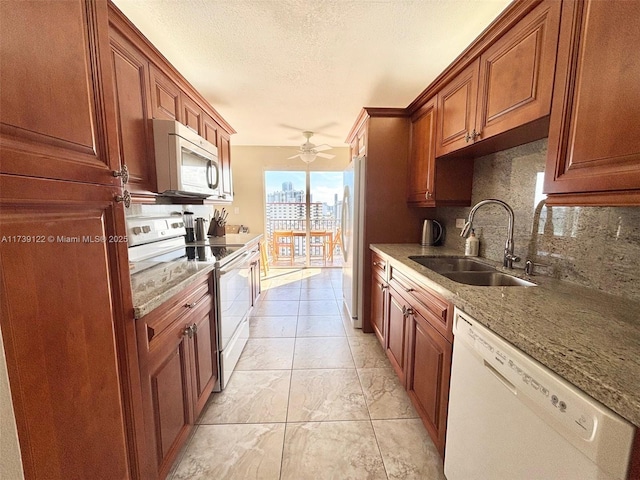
216,230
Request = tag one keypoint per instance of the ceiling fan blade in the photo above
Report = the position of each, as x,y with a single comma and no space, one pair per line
322,147
324,155
293,157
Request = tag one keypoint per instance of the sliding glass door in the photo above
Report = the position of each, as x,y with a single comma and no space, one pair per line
302,218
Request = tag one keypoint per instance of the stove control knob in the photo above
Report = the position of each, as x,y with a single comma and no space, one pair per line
146,229
137,230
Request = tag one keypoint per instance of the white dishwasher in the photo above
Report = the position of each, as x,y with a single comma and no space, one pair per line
511,418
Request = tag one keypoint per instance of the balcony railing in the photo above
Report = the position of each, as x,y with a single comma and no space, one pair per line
329,225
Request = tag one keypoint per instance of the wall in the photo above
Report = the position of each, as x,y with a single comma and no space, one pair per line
10,459
597,247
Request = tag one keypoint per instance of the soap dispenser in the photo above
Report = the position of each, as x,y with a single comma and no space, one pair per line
472,245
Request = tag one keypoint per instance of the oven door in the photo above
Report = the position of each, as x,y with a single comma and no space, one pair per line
234,297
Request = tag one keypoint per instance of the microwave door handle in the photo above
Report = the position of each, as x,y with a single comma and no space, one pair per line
210,167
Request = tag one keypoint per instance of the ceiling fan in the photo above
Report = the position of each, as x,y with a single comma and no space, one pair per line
308,151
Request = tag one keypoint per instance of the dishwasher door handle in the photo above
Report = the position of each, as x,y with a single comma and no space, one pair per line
502,378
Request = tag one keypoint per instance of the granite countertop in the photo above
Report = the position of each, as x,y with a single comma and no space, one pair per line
152,287
588,337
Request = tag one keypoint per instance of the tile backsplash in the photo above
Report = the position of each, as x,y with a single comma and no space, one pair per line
597,247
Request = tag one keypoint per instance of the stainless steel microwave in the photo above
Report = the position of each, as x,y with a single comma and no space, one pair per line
186,163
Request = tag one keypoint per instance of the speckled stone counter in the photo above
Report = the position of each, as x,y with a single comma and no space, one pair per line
590,338
160,283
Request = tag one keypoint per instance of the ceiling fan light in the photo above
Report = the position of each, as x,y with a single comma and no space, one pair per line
308,157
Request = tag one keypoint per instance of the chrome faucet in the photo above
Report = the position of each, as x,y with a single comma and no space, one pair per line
509,257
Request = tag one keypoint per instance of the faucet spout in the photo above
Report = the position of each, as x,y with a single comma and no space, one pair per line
508,257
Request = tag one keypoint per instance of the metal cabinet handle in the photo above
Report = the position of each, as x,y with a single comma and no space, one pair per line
194,328
123,173
124,198
467,138
188,331
383,287
409,290
428,195
380,264
190,305
476,135
407,311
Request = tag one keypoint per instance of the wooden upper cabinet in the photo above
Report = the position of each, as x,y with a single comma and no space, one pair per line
457,111
509,86
165,95
191,113
422,160
56,98
594,146
135,139
224,156
516,73
210,129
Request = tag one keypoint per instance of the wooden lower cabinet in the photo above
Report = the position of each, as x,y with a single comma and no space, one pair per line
428,374
396,339
378,302
417,338
179,367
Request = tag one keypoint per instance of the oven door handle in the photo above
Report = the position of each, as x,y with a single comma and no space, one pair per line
230,266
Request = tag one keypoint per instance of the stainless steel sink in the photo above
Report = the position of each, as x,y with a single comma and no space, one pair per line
452,264
487,279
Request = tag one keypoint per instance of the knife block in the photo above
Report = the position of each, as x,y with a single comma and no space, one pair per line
217,230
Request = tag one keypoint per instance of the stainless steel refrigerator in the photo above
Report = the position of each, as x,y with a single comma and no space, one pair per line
352,227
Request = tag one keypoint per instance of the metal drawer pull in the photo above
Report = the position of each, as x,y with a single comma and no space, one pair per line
381,265
383,286
407,311
190,305
409,290
188,331
194,328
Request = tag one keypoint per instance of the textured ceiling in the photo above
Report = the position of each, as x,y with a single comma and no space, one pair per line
273,68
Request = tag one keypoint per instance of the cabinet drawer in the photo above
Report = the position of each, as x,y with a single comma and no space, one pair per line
433,308
179,305
378,264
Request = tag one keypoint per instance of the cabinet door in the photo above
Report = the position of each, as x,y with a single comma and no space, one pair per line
165,95
457,111
62,315
378,302
428,376
191,114
256,287
166,386
56,97
135,139
396,333
423,157
210,129
224,153
205,356
516,73
594,144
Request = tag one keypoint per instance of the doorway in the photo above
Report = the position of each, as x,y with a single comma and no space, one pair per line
302,218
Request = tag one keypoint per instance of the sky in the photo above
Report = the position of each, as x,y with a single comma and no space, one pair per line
324,185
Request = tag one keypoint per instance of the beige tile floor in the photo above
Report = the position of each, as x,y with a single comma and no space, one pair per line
311,398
